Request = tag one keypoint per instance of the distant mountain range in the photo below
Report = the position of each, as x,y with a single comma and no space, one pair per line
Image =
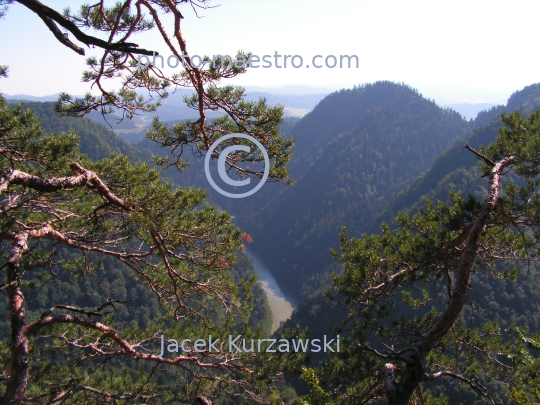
27,97
173,108
467,110
296,100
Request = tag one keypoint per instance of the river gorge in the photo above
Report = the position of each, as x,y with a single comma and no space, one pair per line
281,307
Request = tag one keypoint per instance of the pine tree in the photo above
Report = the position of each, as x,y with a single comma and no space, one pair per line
141,72
413,316
175,246
178,248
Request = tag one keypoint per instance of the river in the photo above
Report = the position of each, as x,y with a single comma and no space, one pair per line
281,307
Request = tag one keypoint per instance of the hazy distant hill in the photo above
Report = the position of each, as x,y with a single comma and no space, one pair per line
174,108
299,101
27,97
112,121
354,152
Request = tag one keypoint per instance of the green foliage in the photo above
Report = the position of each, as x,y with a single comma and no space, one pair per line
96,141
396,286
248,117
174,245
316,395
32,144
457,169
160,263
139,71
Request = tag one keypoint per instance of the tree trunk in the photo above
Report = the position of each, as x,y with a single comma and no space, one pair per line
201,401
17,368
413,375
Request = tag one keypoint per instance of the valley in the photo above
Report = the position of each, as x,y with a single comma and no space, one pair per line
282,309
361,156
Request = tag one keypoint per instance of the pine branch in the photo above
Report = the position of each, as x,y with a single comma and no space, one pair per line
84,177
479,155
50,17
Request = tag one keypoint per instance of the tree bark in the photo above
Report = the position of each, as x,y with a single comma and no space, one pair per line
83,177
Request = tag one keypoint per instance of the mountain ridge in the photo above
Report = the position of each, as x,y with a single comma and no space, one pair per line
346,170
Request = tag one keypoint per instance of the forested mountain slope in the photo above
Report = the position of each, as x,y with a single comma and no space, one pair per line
508,302
457,169
96,140
354,152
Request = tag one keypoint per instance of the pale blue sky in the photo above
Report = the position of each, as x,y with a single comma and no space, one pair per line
468,51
